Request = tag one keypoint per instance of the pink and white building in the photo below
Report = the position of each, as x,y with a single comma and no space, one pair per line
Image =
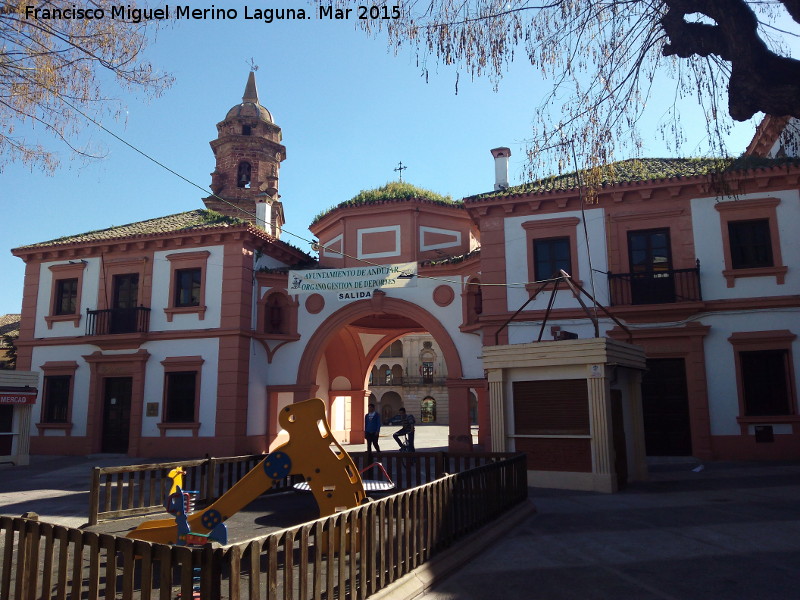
181,335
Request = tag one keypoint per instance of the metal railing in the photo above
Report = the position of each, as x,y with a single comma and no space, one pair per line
117,320
655,287
407,381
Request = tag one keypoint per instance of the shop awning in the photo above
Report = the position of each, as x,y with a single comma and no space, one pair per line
18,396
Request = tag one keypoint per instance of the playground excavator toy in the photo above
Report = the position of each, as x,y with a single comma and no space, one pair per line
332,477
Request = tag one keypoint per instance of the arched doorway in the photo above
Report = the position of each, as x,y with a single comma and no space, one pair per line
349,342
428,410
390,405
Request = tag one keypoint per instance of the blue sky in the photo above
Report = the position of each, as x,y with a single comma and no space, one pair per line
349,110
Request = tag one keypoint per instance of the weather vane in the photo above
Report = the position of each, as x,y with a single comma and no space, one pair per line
253,65
401,168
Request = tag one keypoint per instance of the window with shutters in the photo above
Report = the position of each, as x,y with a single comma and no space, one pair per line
57,395
751,242
65,293
187,293
765,377
552,245
557,407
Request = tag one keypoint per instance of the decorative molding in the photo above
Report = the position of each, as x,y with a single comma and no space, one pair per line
454,234
328,252
72,270
563,227
550,223
749,341
187,260
443,295
656,214
741,210
314,304
362,233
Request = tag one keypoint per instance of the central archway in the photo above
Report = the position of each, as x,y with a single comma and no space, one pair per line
378,310
307,369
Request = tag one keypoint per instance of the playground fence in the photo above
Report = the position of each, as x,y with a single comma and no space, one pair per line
349,555
129,491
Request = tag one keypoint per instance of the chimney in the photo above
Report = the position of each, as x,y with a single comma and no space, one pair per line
501,167
264,215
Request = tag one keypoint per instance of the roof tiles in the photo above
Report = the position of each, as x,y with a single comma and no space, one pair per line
633,171
192,220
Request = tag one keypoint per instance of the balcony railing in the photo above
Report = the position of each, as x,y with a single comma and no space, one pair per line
117,320
655,287
407,381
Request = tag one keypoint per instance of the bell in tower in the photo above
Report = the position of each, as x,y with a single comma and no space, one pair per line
248,153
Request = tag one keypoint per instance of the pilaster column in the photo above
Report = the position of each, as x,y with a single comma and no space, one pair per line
639,467
358,403
497,412
484,417
603,471
24,437
460,438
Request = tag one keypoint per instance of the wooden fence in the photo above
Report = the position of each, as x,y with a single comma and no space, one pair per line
349,555
122,492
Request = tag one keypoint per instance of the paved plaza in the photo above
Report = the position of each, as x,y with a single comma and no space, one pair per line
718,530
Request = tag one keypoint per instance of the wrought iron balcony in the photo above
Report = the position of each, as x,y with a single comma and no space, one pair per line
407,381
117,320
655,287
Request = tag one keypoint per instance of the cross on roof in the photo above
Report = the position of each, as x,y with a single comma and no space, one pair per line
401,168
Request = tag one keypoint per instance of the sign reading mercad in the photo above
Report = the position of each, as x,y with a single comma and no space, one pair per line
21,397
356,283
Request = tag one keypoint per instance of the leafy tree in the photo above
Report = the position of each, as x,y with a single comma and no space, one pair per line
9,344
51,70
607,59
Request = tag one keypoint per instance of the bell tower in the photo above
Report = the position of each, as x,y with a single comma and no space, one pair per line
248,153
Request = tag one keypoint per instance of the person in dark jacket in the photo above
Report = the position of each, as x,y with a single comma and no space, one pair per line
407,422
372,429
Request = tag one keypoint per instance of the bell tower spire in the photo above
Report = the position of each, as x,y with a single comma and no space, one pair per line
250,90
248,156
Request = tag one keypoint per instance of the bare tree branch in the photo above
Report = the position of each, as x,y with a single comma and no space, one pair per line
49,66
604,58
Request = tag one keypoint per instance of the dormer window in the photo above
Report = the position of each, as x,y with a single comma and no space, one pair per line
246,130
243,175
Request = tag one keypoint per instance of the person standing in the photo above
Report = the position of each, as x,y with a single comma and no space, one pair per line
372,429
407,422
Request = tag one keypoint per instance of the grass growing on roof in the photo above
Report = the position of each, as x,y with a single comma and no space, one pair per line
391,192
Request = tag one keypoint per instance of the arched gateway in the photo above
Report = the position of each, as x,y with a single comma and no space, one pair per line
344,347
341,335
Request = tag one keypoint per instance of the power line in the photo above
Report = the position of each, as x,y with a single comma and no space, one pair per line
312,243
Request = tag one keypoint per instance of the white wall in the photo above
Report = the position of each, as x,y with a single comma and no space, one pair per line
80,389
283,370
707,232
89,290
518,254
723,396
154,382
160,300
524,332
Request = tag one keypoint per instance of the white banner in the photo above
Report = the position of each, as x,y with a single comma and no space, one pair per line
354,283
